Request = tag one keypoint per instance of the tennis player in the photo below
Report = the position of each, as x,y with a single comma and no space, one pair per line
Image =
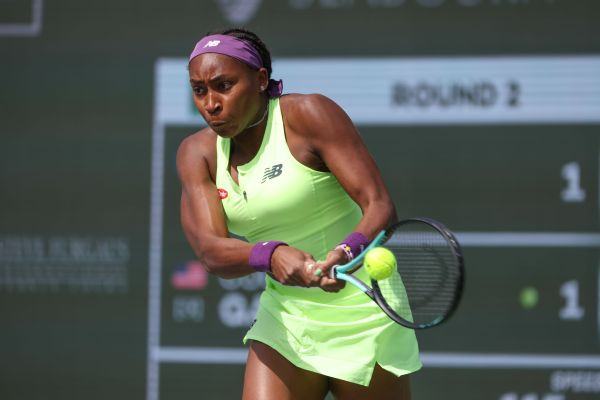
292,176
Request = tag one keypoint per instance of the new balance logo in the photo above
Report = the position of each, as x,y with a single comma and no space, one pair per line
212,43
272,172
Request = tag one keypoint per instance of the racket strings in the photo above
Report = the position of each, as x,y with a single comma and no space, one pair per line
424,287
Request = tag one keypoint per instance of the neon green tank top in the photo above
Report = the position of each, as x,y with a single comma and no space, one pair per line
342,334
278,198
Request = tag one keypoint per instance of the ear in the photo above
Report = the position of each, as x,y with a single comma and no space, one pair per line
263,79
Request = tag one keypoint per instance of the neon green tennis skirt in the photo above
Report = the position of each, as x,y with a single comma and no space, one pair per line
342,335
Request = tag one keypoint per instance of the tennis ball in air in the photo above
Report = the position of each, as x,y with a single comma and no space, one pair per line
380,263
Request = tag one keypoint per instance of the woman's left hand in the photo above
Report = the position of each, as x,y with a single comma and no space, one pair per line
334,257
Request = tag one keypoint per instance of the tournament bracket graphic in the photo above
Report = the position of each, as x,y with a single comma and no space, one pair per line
199,319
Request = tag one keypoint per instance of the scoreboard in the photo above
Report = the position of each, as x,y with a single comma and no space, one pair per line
504,150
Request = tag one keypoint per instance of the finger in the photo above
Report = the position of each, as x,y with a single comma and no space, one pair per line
313,273
333,258
313,269
323,266
332,285
326,271
291,278
331,288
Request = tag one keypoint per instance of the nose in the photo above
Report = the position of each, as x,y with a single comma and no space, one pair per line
212,103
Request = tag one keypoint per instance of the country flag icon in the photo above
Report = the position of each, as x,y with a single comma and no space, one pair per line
189,276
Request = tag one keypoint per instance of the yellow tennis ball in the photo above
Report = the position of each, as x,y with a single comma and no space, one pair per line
380,263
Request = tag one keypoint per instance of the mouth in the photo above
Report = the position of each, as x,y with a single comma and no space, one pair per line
217,126
223,128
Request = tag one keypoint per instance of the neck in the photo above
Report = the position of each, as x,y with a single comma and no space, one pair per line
248,143
261,118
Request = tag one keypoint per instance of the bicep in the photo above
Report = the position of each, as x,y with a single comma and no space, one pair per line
201,214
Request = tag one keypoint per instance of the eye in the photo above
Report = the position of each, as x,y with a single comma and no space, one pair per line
225,85
199,90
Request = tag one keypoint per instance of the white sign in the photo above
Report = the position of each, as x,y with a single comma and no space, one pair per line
405,91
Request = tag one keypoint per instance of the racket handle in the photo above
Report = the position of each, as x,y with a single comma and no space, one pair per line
333,271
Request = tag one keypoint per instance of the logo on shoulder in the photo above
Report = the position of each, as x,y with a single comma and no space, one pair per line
272,172
222,193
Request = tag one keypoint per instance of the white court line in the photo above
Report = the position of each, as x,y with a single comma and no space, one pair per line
528,239
524,239
507,360
227,355
200,355
598,304
155,249
34,28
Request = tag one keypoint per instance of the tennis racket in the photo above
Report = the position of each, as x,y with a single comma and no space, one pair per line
426,286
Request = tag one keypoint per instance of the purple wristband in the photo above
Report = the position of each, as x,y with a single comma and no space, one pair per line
357,243
260,256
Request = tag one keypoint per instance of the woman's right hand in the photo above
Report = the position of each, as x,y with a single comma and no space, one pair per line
293,267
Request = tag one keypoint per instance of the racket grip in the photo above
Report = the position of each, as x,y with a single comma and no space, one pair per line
333,272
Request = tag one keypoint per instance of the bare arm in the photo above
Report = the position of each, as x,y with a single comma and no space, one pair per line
202,215
333,139
203,221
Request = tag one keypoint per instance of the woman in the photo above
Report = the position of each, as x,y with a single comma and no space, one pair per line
291,175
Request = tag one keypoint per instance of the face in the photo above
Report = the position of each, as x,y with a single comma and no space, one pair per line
227,92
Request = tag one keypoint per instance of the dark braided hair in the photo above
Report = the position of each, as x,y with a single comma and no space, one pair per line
254,40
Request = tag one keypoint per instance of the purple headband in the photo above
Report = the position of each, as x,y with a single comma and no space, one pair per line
238,49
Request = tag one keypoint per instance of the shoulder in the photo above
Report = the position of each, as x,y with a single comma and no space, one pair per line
309,110
197,153
315,117
304,102
199,145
